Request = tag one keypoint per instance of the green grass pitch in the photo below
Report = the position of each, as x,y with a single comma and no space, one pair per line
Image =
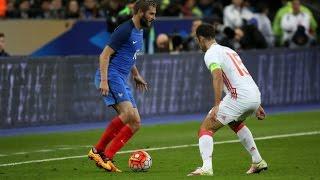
293,157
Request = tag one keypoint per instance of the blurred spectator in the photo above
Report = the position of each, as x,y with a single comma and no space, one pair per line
163,4
111,9
190,43
261,20
73,10
229,39
126,12
162,43
10,9
250,37
45,9
218,27
128,9
189,9
3,53
173,9
287,8
90,10
23,11
210,8
206,7
177,44
3,8
296,26
247,4
235,14
57,10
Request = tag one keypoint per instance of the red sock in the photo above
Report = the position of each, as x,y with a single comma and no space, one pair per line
111,131
237,127
118,142
205,132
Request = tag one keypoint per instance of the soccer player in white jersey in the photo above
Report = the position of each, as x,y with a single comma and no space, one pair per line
241,100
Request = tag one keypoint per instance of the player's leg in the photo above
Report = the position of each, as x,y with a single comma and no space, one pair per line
245,136
119,100
126,108
111,134
208,127
112,129
129,114
246,139
132,121
126,112
115,125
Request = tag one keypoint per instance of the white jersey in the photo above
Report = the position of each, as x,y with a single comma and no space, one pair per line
238,83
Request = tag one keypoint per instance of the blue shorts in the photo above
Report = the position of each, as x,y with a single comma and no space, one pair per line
119,91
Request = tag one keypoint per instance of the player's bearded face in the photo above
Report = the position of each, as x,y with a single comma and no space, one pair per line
144,21
148,17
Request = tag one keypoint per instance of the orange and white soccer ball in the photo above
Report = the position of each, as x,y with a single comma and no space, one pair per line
140,161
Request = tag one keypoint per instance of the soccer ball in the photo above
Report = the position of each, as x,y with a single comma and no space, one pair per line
140,161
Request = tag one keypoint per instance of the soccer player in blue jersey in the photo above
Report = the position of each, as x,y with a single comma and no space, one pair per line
116,61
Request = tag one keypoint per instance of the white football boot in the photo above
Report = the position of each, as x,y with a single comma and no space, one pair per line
201,172
258,167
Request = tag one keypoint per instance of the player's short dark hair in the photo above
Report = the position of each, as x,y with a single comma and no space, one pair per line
206,30
1,34
143,5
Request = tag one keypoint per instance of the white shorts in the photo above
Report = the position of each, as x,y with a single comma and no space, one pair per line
236,110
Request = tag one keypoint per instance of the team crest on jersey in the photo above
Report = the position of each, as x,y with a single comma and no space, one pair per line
137,53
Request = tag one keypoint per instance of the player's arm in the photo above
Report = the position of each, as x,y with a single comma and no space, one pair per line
212,61
135,71
141,84
104,59
217,82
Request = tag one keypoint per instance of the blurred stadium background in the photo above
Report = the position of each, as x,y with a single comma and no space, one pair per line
50,111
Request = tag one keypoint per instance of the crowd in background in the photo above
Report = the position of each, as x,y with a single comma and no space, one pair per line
240,24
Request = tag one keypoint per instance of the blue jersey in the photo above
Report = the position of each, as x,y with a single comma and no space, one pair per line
127,42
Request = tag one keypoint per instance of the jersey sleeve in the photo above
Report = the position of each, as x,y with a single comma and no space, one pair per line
120,36
212,61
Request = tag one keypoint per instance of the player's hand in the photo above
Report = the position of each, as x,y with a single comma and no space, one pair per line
104,87
260,114
141,84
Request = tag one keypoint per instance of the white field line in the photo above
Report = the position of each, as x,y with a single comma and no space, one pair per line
65,148
19,153
43,150
162,148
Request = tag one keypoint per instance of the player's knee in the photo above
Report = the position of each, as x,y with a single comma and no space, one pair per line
135,124
134,121
126,115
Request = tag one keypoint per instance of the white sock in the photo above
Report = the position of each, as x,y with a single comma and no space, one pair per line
206,149
247,141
